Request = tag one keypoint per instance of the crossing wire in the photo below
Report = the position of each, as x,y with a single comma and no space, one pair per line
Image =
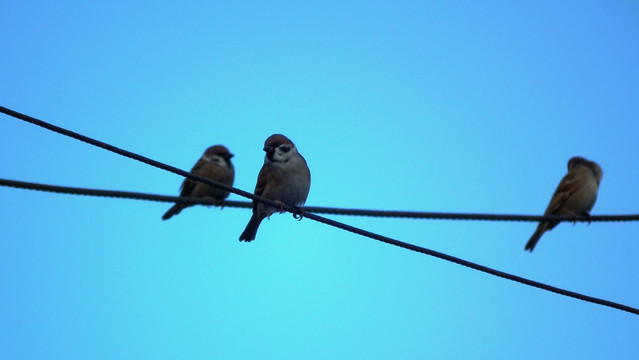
301,212
313,209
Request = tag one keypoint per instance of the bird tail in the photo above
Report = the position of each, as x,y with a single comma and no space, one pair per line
530,245
251,229
173,211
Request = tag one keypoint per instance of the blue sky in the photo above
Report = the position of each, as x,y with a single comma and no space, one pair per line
424,106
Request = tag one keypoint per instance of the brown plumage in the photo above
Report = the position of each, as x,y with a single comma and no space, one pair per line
215,164
284,177
575,195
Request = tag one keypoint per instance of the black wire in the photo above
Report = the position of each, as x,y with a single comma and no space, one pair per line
118,194
474,266
323,220
312,209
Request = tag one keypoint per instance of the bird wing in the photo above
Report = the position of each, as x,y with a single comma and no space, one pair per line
565,189
186,189
263,179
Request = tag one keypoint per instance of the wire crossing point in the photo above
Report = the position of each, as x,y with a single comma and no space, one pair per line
306,213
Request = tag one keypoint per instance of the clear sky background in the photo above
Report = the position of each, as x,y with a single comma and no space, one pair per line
425,106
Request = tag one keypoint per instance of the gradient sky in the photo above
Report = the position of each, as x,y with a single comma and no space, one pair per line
417,105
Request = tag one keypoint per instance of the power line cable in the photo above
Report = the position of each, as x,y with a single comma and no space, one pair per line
189,200
313,209
118,194
146,160
299,211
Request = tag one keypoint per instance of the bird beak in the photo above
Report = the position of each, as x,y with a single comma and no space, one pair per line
268,149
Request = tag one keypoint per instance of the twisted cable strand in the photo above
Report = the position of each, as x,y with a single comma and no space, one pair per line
299,211
314,209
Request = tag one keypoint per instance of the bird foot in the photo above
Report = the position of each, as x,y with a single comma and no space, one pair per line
282,206
575,217
299,216
214,201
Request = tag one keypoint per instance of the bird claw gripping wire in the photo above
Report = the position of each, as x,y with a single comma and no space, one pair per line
281,205
312,216
299,216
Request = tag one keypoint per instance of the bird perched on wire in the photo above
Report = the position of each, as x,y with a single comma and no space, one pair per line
284,178
575,195
215,164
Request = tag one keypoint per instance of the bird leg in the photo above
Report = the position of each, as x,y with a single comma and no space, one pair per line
214,201
299,216
281,204
572,215
589,218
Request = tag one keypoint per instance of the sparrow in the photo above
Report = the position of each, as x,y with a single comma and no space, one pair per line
215,164
284,178
575,195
